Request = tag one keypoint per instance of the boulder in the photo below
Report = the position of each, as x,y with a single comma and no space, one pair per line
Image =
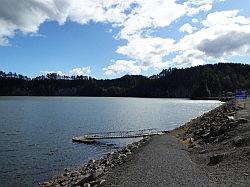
210,139
233,124
231,118
125,150
223,128
47,184
239,141
66,170
84,179
215,159
242,120
98,173
122,156
86,185
214,131
203,151
220,138
101,182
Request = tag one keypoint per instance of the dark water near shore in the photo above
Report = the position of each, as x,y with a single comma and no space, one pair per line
36,132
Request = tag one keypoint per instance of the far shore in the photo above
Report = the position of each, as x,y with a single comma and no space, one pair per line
222,99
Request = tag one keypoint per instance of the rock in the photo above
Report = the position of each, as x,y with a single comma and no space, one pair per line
86,185
233,124
122,156
98,173
128,153
214,131
83,172
93,183
84,179
125,150
103,161
201,143
65,183
191,140
242,120
231,118
211,139
75,173
101,182
220,138
203,151
91,162
191,146
223,128
145,139
47,184
184,138
238,141
205,136
66,170
165,132
66,174
215,159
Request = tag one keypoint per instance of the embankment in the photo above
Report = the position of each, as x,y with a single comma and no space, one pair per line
211,150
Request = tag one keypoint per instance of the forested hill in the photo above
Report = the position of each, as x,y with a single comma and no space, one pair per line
200,81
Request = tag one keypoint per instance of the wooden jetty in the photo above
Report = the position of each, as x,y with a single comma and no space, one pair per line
92,137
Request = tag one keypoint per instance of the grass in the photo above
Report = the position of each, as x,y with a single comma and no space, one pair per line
178,132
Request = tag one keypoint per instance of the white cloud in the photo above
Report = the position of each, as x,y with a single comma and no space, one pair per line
187,28
123,67
189,58
148,51
224,34
80,71
132,16
157,13
197,6
74,72
203,8
28,15
225,18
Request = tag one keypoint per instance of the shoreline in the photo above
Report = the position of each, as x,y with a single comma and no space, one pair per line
211,150
222,99
94,169
93,173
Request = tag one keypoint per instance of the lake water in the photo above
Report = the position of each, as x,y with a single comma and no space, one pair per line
36,132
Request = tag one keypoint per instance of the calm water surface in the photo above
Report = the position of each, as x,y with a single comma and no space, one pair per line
36,132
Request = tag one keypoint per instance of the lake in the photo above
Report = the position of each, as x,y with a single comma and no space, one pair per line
36,132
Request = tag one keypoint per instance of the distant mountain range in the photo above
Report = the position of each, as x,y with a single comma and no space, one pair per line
212,80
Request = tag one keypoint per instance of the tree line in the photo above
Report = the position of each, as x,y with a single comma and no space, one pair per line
212,80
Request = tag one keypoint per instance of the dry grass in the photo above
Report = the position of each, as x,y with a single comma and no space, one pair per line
178,132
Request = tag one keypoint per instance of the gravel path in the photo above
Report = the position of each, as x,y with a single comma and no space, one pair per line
163,162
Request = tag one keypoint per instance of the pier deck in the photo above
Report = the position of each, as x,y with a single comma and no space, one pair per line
92,137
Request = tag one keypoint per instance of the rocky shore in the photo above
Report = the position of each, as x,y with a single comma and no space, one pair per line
90,174
217,142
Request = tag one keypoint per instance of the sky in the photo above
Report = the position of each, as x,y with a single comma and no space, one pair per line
111,38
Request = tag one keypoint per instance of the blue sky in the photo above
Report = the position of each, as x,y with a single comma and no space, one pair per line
107,39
